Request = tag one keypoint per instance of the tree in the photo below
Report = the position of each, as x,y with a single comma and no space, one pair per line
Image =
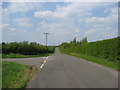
33,43
73,41
25,48
3,43
84,40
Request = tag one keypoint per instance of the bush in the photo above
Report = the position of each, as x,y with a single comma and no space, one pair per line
26,48
106,49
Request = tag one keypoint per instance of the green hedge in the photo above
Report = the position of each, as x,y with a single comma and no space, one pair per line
26,48
107,49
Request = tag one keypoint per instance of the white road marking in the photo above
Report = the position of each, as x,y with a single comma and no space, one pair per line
47,57
44,62
42,66
43,57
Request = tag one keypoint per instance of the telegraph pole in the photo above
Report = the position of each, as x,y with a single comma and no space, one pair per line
46,37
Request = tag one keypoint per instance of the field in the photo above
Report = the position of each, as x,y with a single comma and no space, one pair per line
15,75
105,52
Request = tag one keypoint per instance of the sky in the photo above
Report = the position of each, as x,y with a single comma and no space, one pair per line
27,21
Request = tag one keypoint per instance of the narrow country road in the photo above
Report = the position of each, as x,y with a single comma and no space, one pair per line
64,71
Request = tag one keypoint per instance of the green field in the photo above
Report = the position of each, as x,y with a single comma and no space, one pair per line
16,75
24,56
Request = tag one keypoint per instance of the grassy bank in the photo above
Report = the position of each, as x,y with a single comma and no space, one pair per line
110,64
24,56
16,75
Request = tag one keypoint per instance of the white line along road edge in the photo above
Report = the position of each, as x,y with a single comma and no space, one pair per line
44,62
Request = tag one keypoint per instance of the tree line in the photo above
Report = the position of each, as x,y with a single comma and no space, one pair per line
26,48
108,49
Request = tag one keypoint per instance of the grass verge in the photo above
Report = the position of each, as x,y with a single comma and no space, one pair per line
16,75
110,64
24,56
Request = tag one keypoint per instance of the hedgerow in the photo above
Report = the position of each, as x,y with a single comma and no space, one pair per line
26,48
108,49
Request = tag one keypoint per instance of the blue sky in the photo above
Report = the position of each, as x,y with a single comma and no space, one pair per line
27,21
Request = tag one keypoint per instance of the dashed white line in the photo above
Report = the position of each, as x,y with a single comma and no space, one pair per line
42,66
44,62
47,57
43,57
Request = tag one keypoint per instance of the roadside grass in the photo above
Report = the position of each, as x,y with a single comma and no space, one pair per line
15,75
110,64
24,56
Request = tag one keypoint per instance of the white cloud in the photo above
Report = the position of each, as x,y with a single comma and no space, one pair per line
77,30
65,20
23,22
111,19
4,25
18,7
5,10
25,19
21,6
42,14
73,9
94,19
61,0
90,31
13,29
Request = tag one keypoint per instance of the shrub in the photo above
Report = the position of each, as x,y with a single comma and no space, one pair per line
26,48
107,49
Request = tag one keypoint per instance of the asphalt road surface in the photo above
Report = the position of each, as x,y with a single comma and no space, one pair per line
64,71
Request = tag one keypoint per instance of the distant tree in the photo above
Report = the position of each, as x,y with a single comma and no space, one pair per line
77,42
33,43
25,42
80,41
73,41
3,43
84,40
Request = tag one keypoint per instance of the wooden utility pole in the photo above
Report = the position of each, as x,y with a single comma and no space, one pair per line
46,37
